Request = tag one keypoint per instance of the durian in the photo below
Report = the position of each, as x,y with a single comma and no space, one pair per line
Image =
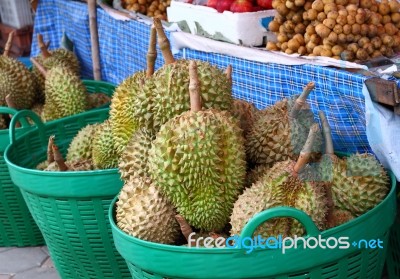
49,59
197,239
143,212
169,95
245,112
37,108
80,147
3,122
280,131
198,161
96,100
80,165
282,186
55,161
133,161
255,199
104,154
15,80
359,182
339,217
253,175
65,93
123,123
122,109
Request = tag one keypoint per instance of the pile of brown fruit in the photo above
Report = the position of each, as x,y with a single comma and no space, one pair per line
151,8
351,30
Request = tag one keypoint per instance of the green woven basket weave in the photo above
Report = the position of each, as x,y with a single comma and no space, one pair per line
69,207
393,257
17,227
156,261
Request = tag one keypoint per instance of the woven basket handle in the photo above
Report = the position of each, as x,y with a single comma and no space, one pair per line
279,212
23,115
7,110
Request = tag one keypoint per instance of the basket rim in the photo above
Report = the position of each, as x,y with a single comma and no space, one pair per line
35,128
200,250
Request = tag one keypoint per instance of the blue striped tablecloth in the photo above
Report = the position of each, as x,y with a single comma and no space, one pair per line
123,46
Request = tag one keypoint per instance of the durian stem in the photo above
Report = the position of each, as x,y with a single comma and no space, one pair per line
43,47
305,153
194,88
185,228
301,100
59,158
41,69
163,42
8,45
50,153
329,203
326,129
228,72
152,52
10,102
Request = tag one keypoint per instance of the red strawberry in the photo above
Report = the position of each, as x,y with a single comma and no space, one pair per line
267,4
242,6
224,5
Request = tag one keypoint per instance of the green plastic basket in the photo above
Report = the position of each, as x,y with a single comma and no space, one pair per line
70,208
393,257
17,227
152,260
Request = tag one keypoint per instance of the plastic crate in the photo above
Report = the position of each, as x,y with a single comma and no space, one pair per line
16,13
70,208
159,261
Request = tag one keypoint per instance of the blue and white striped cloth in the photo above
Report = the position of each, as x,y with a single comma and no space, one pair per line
123,47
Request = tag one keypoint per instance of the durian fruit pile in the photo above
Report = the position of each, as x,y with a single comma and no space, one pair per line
193,159
151,8
351,30
53,89
92,148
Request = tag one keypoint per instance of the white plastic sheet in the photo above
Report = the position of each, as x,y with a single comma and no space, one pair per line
383,133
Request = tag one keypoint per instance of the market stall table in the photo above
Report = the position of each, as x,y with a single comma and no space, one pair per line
341,94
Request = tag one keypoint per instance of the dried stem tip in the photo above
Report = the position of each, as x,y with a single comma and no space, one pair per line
152,52
163,42
326,129
8,45
59,158
41,69
305,153
301,100
10,102
185,228
194,88
43,47
50,153
228,72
